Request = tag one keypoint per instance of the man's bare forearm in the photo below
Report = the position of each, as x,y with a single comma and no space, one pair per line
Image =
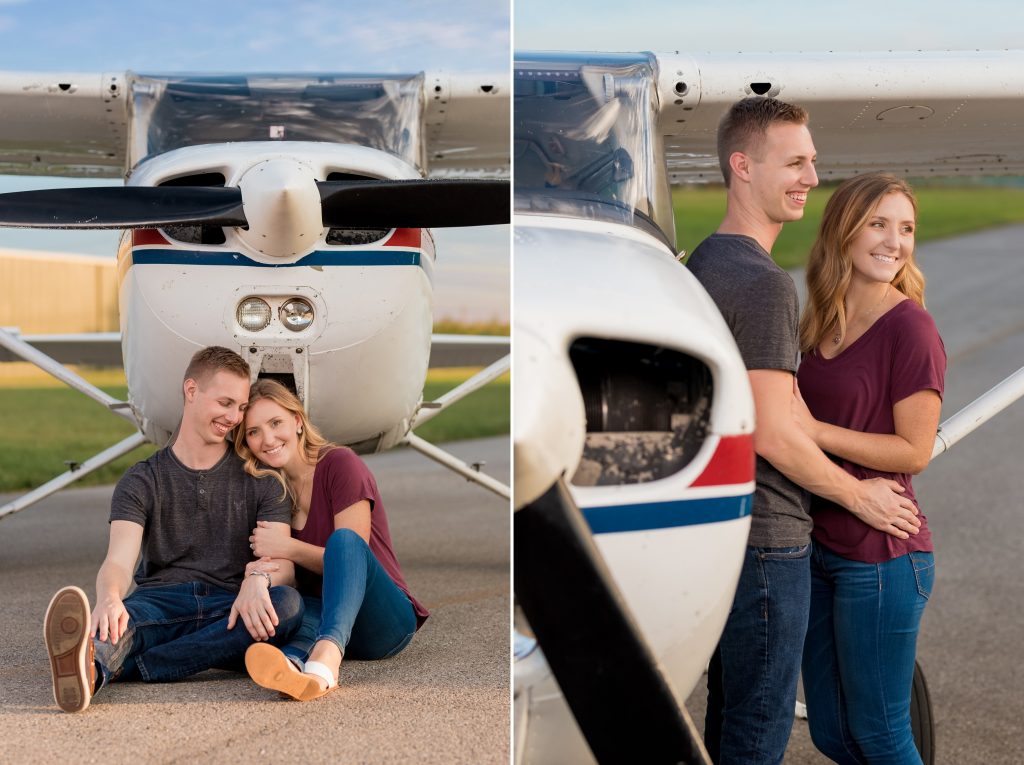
795,455
113,580
284,575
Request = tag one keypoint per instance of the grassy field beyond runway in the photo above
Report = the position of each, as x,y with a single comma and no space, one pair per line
46,423
942,212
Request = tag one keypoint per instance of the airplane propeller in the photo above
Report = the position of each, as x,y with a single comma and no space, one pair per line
615,687
427,203
431,203
121,207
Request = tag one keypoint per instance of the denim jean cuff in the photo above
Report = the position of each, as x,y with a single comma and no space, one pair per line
103,675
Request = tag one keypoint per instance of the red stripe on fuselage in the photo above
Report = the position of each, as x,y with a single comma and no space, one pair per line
144,236
732,463
405,237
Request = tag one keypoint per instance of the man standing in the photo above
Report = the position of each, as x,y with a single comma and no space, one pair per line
189,509
767,158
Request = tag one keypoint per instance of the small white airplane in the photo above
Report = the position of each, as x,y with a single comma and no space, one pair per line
633,417
285,216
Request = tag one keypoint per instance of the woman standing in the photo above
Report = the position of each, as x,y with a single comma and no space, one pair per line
357,604
872,379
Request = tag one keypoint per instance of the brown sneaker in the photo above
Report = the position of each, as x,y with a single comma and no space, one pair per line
69,644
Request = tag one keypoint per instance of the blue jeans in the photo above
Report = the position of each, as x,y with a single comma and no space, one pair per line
362,610
754,672
177,630
859,655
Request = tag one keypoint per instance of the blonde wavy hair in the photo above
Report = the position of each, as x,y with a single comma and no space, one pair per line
830,264
312,444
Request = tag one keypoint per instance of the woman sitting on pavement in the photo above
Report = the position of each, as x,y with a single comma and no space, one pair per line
357,603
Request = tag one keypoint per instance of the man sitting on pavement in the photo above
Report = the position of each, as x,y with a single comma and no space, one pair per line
189,509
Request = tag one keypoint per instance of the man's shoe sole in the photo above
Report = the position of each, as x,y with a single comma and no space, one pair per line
66,632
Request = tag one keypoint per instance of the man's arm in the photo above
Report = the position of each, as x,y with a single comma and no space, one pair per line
109,617
253,604
778,439
273,541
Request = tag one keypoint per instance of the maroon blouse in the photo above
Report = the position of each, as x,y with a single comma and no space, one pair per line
899,355
340,480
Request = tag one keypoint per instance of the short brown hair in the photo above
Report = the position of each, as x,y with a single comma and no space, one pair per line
746,124
209,361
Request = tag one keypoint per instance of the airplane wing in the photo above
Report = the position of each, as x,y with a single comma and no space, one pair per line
918,113
467,120
93,348
65,123
104,349
467,350
101,125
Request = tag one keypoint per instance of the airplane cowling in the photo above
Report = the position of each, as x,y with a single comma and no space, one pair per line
659,563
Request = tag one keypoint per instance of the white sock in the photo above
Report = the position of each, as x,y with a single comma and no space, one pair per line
322,671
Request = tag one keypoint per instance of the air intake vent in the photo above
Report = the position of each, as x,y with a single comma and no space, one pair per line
647,410
354,236
197,234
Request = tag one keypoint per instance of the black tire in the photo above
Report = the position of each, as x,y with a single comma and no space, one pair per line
921,720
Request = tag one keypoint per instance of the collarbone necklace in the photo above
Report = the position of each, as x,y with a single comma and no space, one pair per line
837,338
301,489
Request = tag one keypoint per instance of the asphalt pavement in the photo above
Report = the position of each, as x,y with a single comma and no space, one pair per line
971,645
444,699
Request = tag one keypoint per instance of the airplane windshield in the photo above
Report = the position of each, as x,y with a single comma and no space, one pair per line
185,110
586,143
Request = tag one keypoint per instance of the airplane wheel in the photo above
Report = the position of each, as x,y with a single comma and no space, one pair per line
921,717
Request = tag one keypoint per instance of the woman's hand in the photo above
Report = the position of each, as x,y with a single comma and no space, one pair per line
268,543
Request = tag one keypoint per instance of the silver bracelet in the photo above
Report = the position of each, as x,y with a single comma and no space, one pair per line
264,574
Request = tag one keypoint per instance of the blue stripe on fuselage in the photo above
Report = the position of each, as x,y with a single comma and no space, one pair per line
663,515
381,257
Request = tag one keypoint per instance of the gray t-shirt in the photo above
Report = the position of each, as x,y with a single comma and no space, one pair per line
196,522
759,303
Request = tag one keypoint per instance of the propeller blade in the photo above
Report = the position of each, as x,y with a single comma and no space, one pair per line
122,207
610,679
428,203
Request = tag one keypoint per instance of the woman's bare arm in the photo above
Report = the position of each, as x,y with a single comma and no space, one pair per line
908,450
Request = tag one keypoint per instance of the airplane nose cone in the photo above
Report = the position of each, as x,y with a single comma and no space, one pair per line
550,423
282,205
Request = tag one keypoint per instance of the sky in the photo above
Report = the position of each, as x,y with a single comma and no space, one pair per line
756,26
383,36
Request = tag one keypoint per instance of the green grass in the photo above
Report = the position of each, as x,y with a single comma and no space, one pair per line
484,413
46,424
58,424
446,326
942,211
